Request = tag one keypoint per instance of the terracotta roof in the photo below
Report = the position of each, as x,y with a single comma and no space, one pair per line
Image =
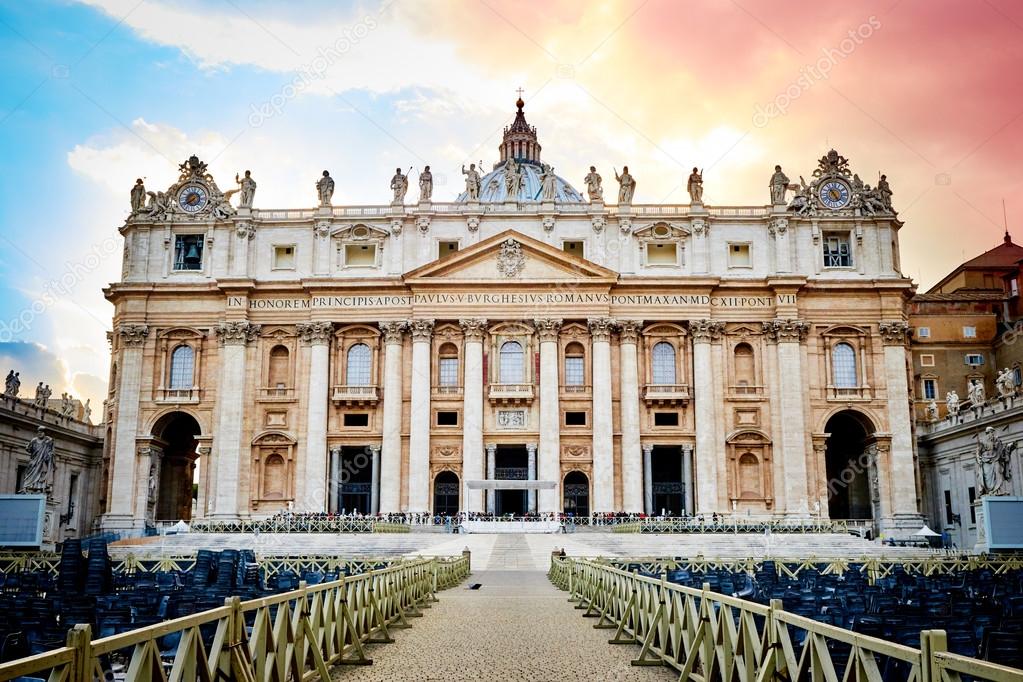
1005,255
964,295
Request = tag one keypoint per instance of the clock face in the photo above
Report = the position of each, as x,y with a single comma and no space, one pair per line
192,198
834,194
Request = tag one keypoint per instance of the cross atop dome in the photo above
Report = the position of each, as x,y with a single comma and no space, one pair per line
519,141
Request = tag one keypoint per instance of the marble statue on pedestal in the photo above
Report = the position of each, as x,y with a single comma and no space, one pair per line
952,403
12,384
885,192
779,183
399,185
325,189
594,188
248,189
87,411
1005,383
512,180
138,197
932,411
548,184
40,464
626,186
695,186
472,182
425,185
975,391
993,469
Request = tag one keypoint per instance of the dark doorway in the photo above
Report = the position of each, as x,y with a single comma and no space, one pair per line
445,493
179,467
355,479
577,494
848,467
668,478
511,463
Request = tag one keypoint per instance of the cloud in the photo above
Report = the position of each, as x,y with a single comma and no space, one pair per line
35,363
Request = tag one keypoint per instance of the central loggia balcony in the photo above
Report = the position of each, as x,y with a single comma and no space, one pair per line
348,394
511,393
666,394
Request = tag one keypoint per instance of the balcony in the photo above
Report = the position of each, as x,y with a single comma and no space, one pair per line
177,395
511,393
277,394
846,393
576,390
666,394
745,392
355,395
447,391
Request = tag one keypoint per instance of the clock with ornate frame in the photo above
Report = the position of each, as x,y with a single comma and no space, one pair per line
193,198
834,194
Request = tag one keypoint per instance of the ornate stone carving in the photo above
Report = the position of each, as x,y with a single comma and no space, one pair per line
628,330
237,333
396,225
704,330
421,330
511,260
195,195
601,328
548,223
894,333
392,331
445,452
37,478
786,329
322,228
993,457
778,226
575,451
473,328
698,226
547,329
598,222
315,332
625,225
244,230
423,223
472,223
133,334
511,419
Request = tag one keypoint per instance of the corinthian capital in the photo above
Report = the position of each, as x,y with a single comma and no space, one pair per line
628,330
547,328
704,331
601,328
894,332
315,332
237,333
392,331
473,328
421,330
786,330
133,334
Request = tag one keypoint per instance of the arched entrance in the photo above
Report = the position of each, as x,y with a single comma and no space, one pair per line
179,466
849,466
445,493
577,494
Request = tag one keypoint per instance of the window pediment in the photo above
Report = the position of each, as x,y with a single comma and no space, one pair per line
359,232
662,232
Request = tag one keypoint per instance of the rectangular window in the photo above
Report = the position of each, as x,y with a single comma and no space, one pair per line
575,419
448,371
574,247
836,251
356,419
447,418
930,389
969,332
739,256
665,418
1014,287
948,508
926,360
974,359
923,332
360,255
188,252
972,492
284,257
446,248
662,254
575,372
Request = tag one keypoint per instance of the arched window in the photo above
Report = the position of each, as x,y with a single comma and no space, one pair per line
358,368
512,368
447,365
279,357
575,365
843,366
664,363
182,367
744,368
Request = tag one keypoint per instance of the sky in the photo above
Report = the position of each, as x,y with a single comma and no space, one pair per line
99,92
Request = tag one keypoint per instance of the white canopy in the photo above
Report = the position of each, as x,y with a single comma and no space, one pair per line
927,532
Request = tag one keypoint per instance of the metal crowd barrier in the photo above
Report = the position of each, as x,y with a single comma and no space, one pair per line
738,524
294,635
299,524
709,636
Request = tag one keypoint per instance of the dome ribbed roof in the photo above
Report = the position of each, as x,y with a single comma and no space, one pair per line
493,187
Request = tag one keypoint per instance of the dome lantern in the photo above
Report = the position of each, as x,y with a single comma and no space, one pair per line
519,141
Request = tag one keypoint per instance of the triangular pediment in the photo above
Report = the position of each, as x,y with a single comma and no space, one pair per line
511,257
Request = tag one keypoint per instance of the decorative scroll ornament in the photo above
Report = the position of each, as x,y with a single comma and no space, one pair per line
315,332
421,330
473,328
628,330
778,226
706,330
835,190
601,328
392,331
598,222
133,334
244,230
322,228
511,260
423,223
698,226
894,333
237,333
472,223
548,223
625,225
396,225
547,329
786,330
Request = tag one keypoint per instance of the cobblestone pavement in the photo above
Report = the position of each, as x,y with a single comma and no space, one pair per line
517,626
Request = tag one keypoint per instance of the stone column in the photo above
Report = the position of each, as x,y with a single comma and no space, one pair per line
531,495
472,411
491,474
334,486
687,478
603,432
311,490
550,414
374,478
231,405
390,462
131,339
901,469
707,455
419,419
632,464
648,480
788,335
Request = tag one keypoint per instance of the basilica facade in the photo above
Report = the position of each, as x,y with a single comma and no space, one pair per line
518,348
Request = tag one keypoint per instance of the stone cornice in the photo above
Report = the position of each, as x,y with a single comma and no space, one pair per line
392,331
704,331
601,328
629,330
547,329
237,333
894,332
786,330
421,330
133,334
315,332
473,328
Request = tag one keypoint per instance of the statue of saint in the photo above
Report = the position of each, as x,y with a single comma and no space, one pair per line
472,182
399,185
67,405
248,189
952,403
976,393
325,188
695,186
87,411
548,184
40,464
512,180
1005,383
626,186
993,469
779,183
138,197
425,185
594,188
13,384
885,192
40,400
932,411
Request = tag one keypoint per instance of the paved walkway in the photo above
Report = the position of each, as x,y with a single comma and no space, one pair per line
517,626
